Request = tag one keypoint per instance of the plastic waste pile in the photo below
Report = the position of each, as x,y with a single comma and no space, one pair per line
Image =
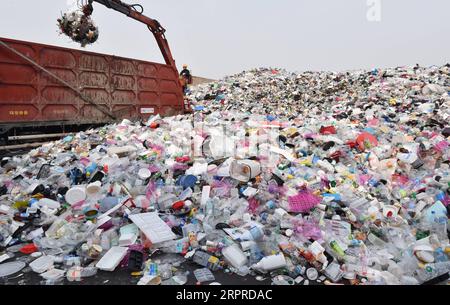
334,178
78,25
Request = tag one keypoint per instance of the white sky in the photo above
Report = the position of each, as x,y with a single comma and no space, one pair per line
222,37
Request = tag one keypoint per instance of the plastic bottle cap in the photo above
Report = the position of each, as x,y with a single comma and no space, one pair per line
144,173
289,232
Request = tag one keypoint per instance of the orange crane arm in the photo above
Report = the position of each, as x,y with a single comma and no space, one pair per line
153,25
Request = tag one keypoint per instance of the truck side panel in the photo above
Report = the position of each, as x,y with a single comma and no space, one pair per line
128,88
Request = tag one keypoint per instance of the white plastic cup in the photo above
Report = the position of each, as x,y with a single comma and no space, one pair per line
75,195
93,188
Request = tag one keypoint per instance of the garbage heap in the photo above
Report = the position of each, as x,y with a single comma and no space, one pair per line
317,177
79,26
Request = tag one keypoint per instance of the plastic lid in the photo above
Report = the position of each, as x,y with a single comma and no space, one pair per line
144,173
11,268
312,274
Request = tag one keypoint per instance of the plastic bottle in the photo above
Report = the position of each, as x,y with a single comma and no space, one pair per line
254,233
90,169
255,254
271,262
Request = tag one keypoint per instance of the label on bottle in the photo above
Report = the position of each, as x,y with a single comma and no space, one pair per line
213,260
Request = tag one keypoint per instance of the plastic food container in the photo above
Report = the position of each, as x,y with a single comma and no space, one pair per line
244,170
42,264
112,258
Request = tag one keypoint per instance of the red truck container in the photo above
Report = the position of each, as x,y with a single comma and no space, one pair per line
122,87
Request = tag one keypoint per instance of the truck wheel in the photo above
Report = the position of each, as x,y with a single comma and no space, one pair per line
3,137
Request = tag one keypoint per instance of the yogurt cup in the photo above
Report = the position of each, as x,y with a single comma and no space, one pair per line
75,195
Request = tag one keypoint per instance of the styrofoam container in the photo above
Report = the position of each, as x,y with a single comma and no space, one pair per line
127,239
112,258
234,255
75,195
